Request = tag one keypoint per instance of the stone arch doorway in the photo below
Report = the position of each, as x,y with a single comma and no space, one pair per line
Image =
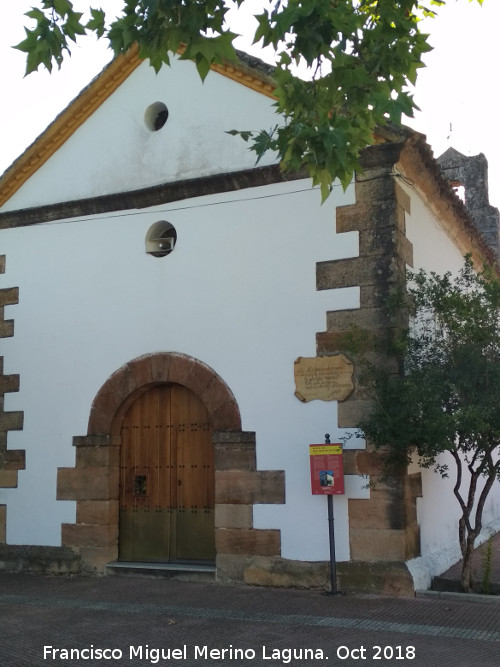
94,482
188,401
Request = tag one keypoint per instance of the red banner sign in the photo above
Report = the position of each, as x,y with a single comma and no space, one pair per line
327,469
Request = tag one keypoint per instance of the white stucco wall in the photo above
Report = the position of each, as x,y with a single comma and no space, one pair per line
438,510
238,293
114,151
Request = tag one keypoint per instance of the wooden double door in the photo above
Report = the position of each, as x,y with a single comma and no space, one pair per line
167,478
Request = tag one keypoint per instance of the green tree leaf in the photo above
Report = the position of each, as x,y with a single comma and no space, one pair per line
97,22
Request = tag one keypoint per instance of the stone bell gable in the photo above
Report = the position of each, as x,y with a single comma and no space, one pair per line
471,172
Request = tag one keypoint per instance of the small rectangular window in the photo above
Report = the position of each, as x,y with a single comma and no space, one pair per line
140,485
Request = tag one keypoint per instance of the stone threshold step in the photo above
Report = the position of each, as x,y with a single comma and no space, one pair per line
183,571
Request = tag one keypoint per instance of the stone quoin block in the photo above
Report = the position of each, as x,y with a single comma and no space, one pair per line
89,535
239,541
235,455
248,488
98,456
8,479
87,483
377,544
97,512
14,459
233,516
11,421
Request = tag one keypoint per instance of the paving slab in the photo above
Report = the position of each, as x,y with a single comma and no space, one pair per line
62,620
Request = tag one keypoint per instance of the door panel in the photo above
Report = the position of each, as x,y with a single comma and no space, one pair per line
195,480
167,478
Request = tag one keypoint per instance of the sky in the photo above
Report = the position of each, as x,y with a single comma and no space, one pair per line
457,91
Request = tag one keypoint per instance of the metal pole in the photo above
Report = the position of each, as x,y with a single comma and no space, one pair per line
331,530
331,533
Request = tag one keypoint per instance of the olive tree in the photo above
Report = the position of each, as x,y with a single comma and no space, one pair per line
443,406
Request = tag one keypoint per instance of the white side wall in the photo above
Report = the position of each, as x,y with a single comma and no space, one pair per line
438,510
238,293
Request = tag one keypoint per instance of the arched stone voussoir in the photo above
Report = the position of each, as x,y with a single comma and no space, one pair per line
137,375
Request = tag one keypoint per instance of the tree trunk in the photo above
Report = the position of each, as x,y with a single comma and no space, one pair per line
466,576
468,534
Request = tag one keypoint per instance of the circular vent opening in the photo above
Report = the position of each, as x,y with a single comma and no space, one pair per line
156,116
161,239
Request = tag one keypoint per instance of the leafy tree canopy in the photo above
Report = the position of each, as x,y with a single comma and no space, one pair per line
361,56
443,407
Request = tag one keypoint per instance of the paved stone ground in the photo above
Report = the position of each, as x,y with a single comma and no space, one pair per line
138,618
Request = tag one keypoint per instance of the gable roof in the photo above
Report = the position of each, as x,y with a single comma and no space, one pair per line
416,158
248,71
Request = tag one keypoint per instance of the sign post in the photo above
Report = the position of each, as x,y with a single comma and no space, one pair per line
327,478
